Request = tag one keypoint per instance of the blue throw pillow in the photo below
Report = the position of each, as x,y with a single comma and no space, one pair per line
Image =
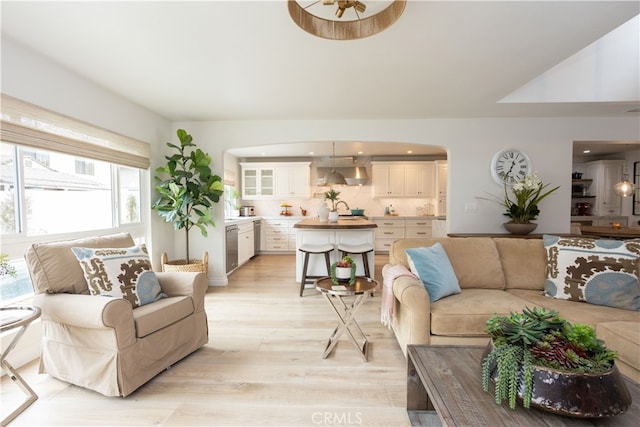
432,266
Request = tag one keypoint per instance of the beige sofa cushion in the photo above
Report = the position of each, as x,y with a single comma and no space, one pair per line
153,317
523,262
54,268
574,311
466,314
475,260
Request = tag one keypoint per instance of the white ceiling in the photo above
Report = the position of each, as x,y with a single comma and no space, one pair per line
247,60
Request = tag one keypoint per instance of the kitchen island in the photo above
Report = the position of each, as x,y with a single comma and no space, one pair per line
348,230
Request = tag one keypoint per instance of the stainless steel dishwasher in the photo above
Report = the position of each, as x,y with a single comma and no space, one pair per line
256,236
232,247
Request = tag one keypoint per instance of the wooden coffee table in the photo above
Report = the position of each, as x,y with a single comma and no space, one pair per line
446,380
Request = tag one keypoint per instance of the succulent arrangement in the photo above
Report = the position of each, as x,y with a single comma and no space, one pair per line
348,263
539,337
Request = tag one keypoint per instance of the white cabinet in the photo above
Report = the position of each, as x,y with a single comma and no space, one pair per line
293,180
605,174
404,179
245,242
420,179
441,187
387,231
278,235
388,180
417,228
275,180
258,181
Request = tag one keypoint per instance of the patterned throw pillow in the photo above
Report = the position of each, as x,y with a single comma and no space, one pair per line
603,272
120,273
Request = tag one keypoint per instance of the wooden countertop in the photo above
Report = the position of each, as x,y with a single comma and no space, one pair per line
608,231
351,223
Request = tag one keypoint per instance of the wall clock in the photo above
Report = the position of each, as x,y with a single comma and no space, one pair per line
509,166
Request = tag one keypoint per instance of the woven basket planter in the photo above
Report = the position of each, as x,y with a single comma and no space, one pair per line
180,265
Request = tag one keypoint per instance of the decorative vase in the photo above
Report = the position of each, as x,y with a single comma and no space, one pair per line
572,394
323,212
343,273
520,229
333,216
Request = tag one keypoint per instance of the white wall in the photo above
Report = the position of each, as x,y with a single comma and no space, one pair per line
31,77
470,145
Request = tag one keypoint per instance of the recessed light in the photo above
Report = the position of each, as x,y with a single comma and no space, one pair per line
359,152
409,152
586,151
311,153
263,154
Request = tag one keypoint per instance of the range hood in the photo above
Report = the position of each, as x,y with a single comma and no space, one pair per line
354,175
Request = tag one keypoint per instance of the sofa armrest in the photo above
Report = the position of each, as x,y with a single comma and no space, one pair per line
412,319
194,285
89,312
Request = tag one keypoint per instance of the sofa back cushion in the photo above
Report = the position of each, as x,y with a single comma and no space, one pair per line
523,262
475,260
54,268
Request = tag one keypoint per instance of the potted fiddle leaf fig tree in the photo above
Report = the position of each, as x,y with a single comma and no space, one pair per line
188,189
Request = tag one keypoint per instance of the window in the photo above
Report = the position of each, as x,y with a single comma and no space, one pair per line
61,179
84,167
52,196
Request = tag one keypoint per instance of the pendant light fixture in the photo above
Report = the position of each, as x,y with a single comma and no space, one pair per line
334,178
624,188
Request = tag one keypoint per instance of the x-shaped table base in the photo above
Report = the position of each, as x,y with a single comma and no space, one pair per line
348,324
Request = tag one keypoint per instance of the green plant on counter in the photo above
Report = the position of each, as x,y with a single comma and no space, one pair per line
332,195
539,337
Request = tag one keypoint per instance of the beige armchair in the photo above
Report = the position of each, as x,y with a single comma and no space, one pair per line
103,343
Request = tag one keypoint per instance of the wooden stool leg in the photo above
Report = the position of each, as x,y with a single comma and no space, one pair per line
327,261
304,272
365,261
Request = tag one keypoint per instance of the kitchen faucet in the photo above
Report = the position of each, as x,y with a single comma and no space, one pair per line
346,206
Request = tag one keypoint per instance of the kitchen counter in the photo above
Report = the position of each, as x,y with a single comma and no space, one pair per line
344,223
241,219
348,230
608,231
424,217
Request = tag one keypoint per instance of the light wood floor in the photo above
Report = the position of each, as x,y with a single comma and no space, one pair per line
262,366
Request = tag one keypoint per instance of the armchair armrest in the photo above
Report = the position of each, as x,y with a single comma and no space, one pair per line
194,285
414,310
90,312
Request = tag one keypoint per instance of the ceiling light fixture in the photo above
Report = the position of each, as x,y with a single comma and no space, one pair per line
351,20
624,188
334,178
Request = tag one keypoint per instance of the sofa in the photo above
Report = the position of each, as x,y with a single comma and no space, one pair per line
496,275
106,343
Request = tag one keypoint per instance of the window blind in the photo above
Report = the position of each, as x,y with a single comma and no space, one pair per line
30,125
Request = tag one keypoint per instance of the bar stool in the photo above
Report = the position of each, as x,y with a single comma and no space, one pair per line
363,250
308,250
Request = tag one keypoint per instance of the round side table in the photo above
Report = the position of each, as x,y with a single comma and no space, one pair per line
12,318
339,298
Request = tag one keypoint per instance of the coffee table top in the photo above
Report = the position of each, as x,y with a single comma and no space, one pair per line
451,375
361,285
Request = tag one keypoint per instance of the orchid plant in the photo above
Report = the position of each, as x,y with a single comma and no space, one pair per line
528,192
